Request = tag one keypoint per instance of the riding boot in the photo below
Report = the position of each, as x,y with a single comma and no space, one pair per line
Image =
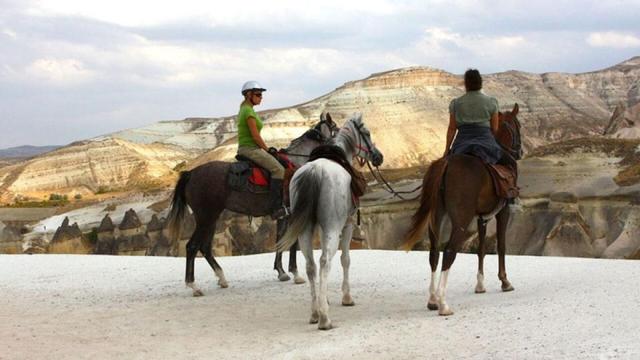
278,210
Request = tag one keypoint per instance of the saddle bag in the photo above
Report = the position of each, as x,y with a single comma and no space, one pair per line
504,181
238,176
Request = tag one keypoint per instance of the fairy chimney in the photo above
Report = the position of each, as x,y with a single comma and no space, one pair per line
131,224
66,232
159,243
68,239
106,236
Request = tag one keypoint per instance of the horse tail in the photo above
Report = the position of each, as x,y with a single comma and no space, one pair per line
306,187
178,205
426,213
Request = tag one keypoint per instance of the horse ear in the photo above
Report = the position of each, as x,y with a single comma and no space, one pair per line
322,116
515,110
329,118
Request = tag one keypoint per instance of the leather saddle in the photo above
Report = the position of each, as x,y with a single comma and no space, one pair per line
245,175
336,154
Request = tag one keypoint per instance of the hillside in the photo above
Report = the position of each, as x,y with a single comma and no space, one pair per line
406,110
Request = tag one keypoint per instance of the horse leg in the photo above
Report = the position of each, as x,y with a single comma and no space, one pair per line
502,220
482,232
306,247
282,275
434,255
330,244
193,246
205,249
293,266
458,235
345,242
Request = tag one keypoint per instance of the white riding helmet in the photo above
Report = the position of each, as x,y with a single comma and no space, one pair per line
251,85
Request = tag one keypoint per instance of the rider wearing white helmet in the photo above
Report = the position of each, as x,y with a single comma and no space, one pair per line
252,146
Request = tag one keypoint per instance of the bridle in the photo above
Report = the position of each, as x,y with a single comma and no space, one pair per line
315,133
361,138
515,149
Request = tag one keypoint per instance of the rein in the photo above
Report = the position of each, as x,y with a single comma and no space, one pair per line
316,129
515,150
388,188
378,177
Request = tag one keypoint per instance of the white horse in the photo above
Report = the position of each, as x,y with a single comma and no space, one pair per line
321,196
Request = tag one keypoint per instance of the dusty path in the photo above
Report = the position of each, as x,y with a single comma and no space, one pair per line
60,307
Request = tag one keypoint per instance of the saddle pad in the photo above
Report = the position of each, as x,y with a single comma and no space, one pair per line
243,176
504,181
259,177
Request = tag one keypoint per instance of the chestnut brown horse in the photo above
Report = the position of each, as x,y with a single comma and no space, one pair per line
460,187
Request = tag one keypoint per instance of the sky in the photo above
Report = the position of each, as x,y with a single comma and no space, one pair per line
76,69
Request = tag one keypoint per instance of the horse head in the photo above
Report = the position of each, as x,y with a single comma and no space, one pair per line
365,148
509,133
326,128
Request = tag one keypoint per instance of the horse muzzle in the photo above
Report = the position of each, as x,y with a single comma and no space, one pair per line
377,158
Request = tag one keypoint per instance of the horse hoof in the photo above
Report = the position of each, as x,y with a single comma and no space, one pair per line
197,293
223,284
445,312
348,301
313,319
507,288
325,325
481,290
299,280
431,306
284,277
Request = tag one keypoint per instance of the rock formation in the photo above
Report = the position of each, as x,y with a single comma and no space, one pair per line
106,238
409,106
68,239
132,239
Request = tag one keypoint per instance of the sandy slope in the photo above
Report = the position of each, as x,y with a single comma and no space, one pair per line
137,307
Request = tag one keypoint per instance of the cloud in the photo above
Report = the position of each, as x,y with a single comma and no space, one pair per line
612,39
59,71
9,33
101,66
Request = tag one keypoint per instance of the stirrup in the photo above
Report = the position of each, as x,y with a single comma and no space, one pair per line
280,213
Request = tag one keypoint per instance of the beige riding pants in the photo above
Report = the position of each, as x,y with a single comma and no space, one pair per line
263,159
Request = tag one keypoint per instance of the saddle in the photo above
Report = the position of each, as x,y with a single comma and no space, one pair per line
245,175
504,180
336,154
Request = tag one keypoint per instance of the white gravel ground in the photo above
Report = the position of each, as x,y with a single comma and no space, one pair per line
75,306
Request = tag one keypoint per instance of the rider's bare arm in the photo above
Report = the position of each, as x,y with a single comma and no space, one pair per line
451,132
255,134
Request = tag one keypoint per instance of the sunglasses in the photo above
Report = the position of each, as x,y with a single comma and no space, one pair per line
258,95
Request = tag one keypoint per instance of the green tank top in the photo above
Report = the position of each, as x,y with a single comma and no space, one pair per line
474,108
244,134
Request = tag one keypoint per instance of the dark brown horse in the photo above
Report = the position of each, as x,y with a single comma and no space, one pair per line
204,189
460,187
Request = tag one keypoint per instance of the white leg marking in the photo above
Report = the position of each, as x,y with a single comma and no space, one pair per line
222,281
433,296
196,290
480,285
443,308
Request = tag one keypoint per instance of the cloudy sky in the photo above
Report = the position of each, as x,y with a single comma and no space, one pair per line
74,69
